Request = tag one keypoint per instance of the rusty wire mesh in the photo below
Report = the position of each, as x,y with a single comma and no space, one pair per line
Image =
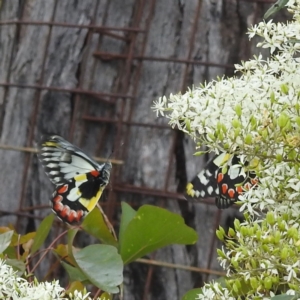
135,37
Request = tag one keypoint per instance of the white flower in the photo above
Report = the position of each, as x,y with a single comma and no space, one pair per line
14,287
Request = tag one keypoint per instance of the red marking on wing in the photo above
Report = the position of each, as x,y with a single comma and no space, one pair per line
95,173
65,211
239,189
72,216
57,199
224,188
79,215
63,189
220,177
254,181
231,193
57,205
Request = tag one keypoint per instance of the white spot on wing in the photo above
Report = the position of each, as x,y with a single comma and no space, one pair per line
52,165
204,180
56,179
234,172
73,194
202,194
54,173
210,190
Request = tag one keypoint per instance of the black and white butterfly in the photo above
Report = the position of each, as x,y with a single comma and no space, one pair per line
225,178
79,180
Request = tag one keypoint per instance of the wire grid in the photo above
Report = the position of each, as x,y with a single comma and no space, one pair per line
135,53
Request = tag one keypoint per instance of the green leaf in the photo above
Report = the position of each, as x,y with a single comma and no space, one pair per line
275,8
74,273
95,225
17,265
42,233
192,294
102,265
5,239
74,286
71,235
18,239
105,296
127,215
153,228
199,153
10,252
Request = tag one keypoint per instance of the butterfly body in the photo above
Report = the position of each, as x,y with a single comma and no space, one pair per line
225,178
79,180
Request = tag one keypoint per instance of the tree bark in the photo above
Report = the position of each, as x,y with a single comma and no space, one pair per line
154,157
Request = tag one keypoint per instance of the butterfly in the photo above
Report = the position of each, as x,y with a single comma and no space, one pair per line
225,178
79,180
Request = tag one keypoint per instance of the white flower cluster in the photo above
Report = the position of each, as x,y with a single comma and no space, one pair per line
256,115
14,287
214,292
250,112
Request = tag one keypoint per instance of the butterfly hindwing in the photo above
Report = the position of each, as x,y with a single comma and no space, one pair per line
73,200
79,180
229,180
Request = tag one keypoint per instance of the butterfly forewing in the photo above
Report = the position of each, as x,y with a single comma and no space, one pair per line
204,184
63,161
79,180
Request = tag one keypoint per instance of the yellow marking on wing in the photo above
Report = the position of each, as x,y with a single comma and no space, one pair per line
80,177
89,204
51,144
190,190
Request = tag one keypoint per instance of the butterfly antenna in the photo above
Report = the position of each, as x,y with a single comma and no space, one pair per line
109,157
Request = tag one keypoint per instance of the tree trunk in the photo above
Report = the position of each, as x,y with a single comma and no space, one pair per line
52,81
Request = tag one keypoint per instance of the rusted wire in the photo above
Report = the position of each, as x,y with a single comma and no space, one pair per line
107,56
179,267
34,150
67,90
60,24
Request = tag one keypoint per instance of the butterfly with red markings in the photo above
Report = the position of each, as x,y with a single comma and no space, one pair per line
79,180
225,178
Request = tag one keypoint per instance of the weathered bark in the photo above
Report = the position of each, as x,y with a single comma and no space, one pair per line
63,57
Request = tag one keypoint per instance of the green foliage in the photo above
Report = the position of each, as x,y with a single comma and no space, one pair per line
127,215
5,240
286,297
152,228
94,224
192,294
42,233
275,8
101,265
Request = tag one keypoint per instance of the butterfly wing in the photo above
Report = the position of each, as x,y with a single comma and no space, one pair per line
234,182
226,185
73,200
204,185
62,161
79,180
